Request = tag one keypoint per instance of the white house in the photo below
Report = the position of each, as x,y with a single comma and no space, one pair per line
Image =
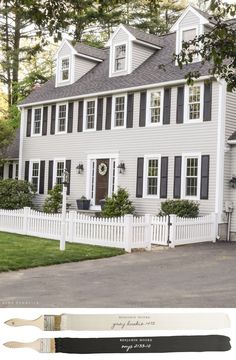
114,117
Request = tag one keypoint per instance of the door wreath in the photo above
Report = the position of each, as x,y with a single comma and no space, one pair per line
102,169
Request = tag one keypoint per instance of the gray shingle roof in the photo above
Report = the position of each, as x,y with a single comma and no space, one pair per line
143,36
207,16
90,51
12,151
98,80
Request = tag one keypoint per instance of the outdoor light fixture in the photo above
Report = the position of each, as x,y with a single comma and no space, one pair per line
80,168
233,181
121,167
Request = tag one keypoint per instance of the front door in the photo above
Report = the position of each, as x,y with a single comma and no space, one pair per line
102,180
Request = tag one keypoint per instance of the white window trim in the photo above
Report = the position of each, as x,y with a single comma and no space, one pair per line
186,156
90,158
148,111
113,127
57,118
145,175
60,68
85,115
41,121
55,161
114,71
33,161
186,106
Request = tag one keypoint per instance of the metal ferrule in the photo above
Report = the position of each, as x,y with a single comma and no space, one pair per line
52,322
47,346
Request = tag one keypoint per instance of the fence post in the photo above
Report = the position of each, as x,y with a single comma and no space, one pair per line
72,217
25,220
172,230
128,232
148,231
214,226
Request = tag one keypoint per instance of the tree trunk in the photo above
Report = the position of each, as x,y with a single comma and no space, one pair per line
15,59
9,82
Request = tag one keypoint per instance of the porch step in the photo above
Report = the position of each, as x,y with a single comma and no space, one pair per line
91,213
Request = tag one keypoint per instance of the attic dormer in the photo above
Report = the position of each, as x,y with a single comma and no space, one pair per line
129,48
72,62
193,22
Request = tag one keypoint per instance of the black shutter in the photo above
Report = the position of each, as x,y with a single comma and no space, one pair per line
180,105
80,116
68,168
1,172
164,177
29,120
167,105
53,119
45,120
50,174
205,177
10,171
142,112
108,113
41,178
26,170
207,101
130,110
70,117
139,184
177,177
99,113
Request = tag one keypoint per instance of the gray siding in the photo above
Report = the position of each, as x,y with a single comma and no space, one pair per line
230,153
140,53
190,20
166,140
82,66
120,37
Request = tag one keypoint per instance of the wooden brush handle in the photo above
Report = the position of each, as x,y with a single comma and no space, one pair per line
39,322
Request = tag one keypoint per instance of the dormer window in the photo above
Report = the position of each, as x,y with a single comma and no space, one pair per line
120,57
188,35
65,69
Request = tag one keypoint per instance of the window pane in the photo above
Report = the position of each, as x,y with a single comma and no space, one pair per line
194,102
189,35
65,68
90,114
119,111
152,186
120,56
37,121
60,171
155,107
62,118
35,175
152,180
192,176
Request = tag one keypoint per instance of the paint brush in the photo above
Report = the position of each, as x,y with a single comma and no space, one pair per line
161,344
106,322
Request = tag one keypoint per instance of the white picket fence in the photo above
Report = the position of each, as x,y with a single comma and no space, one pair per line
127,232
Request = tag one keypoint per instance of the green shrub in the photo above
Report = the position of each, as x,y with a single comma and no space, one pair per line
118,204
182,208
53,202
15,194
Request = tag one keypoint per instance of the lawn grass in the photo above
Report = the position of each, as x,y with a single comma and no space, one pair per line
22,252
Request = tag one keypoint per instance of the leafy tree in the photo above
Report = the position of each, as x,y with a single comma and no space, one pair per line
53,202
15,194
118,204
6,136
216,47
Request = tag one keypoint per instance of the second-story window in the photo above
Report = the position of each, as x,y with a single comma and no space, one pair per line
65,69
62,118
194,109
90,114
120,57
37,121
155,107
119,111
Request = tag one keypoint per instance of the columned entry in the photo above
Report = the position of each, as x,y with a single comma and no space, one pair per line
102,180
101,177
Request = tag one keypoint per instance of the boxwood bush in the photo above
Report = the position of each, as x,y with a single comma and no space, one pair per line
118,204
182,208
15,194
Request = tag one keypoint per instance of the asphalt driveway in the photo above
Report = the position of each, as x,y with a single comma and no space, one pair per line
201,275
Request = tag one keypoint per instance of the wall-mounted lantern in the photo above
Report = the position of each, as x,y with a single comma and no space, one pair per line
121,167
80,168
232,181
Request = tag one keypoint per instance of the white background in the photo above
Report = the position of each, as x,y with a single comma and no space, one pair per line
28,334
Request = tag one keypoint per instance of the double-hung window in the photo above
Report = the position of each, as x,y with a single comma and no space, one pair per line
195,103
65,69
37,121
189,35
35,175
90,114
62,118
154,99
59,172
119,111
191,186
152,176
120,57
